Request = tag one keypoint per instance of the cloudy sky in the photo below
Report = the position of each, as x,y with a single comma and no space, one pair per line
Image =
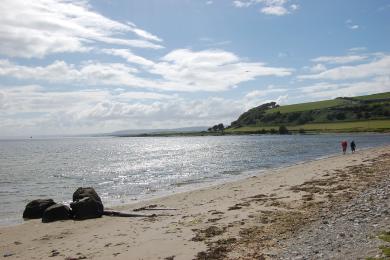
79,66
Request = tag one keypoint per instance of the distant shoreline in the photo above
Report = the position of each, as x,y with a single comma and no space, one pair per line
368,126
255,131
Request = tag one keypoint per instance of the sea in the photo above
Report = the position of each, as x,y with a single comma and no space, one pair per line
126,170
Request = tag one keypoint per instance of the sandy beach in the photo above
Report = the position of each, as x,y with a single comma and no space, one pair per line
251,218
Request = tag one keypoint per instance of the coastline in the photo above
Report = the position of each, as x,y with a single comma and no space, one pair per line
205,218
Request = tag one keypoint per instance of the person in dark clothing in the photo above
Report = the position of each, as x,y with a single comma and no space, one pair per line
353,146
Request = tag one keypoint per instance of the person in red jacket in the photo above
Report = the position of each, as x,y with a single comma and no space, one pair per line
344,145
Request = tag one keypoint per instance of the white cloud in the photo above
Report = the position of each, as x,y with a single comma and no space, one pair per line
274,10
317,68
340,59
129,56
354,27
357,49
38,28
260,96
240,4
84,111
351,25
209,2
294,7
34,99
88,110
212,70
377,67
209,42
144,96
59,71
324,90
142,33
179,70
370,75
265,92
109,110
269,7
81,104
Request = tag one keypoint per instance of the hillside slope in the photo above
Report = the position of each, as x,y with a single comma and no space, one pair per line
322,114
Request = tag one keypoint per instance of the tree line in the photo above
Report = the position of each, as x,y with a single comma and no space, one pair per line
217,128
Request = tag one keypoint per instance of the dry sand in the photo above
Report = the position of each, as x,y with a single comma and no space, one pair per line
240,219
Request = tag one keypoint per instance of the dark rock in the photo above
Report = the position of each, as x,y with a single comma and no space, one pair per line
54,253
56,212
81,193
86,204
86,208
35,208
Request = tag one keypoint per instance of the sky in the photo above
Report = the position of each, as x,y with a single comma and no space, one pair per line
96,66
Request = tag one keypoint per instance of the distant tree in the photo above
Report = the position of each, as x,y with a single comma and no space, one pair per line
301,131
221,127
216,128
291,117
273,131
330,117
283,130
378,110
340,116
305,117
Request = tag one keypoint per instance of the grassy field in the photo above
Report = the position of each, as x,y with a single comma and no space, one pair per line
374,96
324,104
357,126
307,106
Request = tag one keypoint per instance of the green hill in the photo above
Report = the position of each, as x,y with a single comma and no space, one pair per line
361,113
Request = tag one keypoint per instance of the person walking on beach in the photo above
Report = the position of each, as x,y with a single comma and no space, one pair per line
344,145
353,146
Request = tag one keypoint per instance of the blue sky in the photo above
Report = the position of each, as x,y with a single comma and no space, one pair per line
69,67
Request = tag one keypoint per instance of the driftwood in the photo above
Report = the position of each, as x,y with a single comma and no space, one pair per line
129,215
152,207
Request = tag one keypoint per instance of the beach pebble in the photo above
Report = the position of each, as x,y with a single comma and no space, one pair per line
350,231
54,252
8,254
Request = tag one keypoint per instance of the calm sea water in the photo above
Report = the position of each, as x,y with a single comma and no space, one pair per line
126,169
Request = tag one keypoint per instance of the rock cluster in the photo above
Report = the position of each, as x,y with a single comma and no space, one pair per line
86,204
